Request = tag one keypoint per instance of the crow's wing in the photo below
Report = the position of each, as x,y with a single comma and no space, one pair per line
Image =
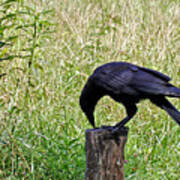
115,79
150,82
132,80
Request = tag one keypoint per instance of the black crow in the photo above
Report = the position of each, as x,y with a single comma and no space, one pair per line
128,84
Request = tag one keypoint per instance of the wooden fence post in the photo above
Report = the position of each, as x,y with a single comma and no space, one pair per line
105,154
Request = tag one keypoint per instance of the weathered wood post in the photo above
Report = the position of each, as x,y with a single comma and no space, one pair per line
105,154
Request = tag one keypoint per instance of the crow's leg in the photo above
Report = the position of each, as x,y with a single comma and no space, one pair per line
131,110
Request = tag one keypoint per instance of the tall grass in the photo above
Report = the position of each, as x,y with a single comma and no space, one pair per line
47,51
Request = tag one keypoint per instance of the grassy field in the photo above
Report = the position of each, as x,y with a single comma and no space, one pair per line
48,48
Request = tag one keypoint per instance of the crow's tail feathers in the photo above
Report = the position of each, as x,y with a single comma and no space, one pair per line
168,107
173,112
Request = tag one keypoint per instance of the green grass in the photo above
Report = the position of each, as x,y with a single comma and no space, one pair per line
51,49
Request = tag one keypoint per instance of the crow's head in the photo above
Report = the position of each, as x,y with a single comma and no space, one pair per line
87,107
90,95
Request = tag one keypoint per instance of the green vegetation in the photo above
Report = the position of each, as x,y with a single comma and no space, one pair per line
48,48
